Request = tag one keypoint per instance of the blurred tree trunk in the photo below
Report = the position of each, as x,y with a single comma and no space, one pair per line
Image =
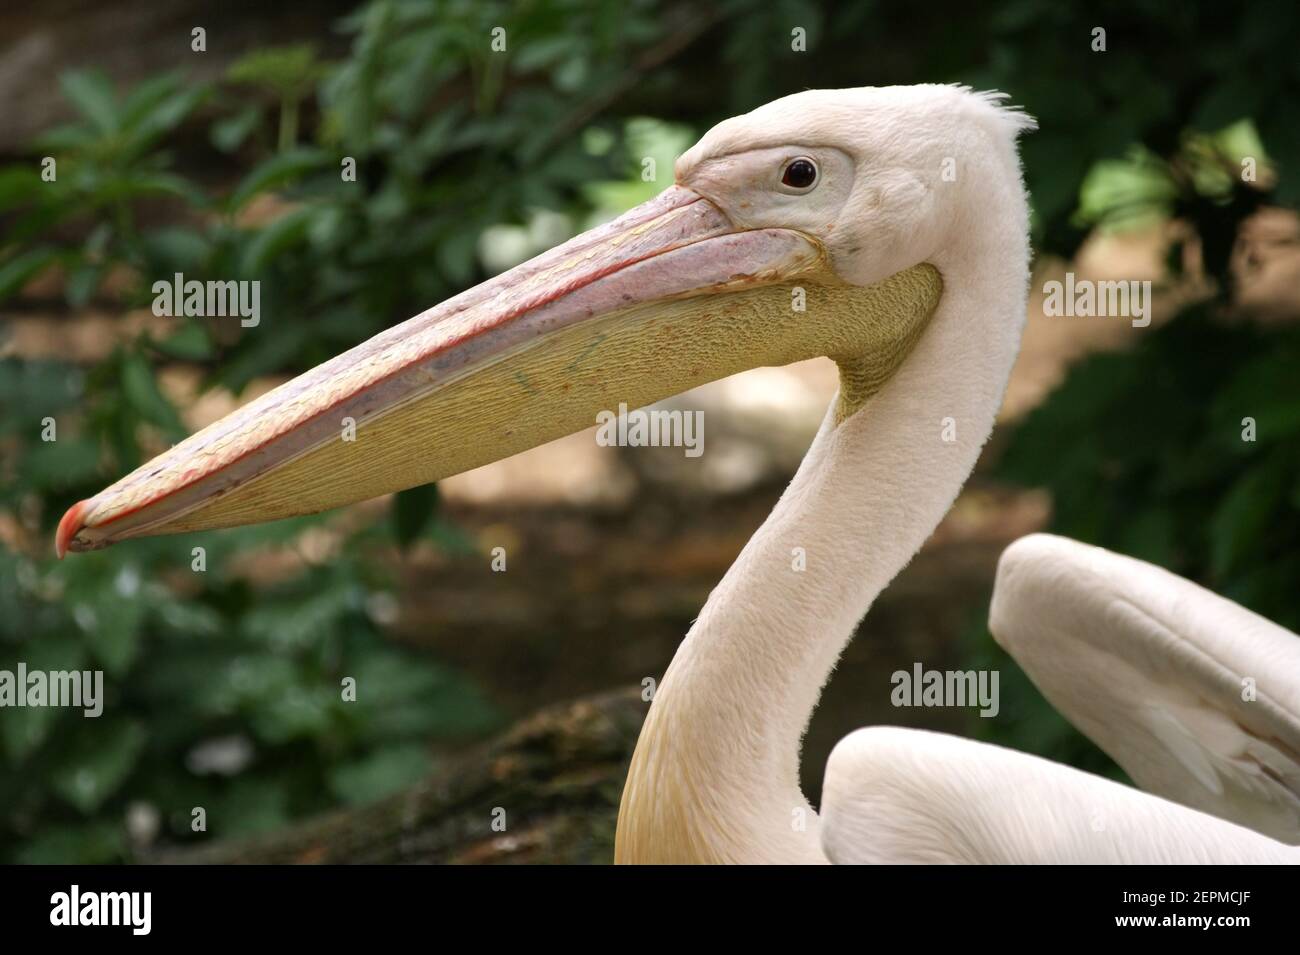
557,775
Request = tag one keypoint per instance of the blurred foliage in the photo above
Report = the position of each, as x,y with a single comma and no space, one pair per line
1185,450
286,74
1164,424
465,161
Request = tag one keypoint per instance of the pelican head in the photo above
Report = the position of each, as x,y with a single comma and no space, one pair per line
803,228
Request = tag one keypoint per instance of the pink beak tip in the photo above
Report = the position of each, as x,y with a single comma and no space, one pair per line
69,525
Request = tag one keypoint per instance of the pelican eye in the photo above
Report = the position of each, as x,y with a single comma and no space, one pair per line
799,173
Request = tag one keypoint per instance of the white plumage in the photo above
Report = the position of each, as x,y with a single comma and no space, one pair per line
715,774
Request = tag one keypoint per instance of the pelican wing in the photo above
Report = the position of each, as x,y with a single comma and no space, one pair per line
904,796
1195,696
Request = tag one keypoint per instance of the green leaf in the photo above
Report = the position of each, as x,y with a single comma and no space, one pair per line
150,120
265,354
50,386
20,269
251,806
1228,101
149,97
452,539
271,240
26,728
82,283
299,620
1125,192
241,683
19,185
190,342
379,774
67,138
229,132
546,51
412,511
456,255
287,71
61,464
190,619
1267,389
326,226
114,638
279,170
301,712
135,183
99,763
94,843
144,396
91,92
171,250
1245,513
402,695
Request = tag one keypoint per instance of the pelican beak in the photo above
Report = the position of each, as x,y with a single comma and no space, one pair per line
666,297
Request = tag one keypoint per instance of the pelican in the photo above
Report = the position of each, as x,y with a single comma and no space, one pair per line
885,228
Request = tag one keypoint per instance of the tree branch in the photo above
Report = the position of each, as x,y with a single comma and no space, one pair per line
558,775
